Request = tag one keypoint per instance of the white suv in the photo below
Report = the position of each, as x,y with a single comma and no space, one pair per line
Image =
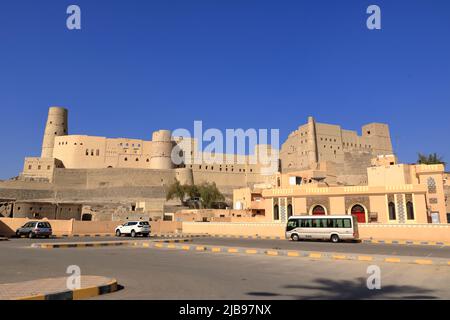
134,228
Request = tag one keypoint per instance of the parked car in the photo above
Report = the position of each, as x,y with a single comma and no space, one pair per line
134,228
35,229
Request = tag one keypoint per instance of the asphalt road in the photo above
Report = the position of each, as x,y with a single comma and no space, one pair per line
346,247
165,274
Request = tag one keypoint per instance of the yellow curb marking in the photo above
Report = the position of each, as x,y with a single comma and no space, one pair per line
200,248
186,247
272,253
158,245
171,246
216,249
293,254
365,258
422,261
85,293
40,297
233,250
146,245
392,260
251,251
339,257
315,255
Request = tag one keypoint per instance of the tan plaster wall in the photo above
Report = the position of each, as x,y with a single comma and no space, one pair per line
367,231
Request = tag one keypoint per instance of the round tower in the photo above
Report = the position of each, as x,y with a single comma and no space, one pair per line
56,126
161,151
312,142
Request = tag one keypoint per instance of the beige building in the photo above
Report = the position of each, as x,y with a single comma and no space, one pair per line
398,193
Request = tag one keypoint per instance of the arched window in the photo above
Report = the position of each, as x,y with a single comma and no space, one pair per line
318,211
276,212
410,210
392,214
289,210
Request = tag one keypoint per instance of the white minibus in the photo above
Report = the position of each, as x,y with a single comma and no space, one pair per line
334,228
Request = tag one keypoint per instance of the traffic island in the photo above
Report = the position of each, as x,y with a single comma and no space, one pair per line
57,289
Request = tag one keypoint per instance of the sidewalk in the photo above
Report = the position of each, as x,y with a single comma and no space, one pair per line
56,289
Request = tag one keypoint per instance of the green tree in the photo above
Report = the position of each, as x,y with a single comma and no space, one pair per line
176,191
209,193
432,158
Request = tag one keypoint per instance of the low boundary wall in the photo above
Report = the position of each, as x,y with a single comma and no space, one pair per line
416,232
8,226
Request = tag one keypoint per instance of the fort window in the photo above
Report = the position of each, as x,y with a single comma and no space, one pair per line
126,159
39,167
410,210
48,167
92,152
137,159
289,210
392,213
29,167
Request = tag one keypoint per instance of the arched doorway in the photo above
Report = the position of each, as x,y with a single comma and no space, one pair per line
359,212
318,211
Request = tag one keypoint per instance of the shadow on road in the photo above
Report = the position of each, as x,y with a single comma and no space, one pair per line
348,290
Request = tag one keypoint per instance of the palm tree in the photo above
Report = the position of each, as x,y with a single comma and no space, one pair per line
432,158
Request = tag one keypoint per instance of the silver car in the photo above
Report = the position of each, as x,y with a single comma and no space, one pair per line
34,229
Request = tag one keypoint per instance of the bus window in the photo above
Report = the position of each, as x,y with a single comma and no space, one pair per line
347,223
292,224
307,223
338,223
317,223
330,223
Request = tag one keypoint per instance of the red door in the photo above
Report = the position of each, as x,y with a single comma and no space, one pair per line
318,211
360,214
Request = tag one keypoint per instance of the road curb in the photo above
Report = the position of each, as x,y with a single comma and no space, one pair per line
371,241
4,239
407,242
98,235
328,256
77,294
103,244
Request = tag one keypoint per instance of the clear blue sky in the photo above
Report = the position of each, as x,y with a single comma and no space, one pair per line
138,66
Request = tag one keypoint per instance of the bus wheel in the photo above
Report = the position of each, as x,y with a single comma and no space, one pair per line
295,237
335,238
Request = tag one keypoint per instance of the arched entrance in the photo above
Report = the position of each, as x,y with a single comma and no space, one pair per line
359,212
318,211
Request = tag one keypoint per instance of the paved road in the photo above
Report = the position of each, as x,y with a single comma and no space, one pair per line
164,274
347,247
